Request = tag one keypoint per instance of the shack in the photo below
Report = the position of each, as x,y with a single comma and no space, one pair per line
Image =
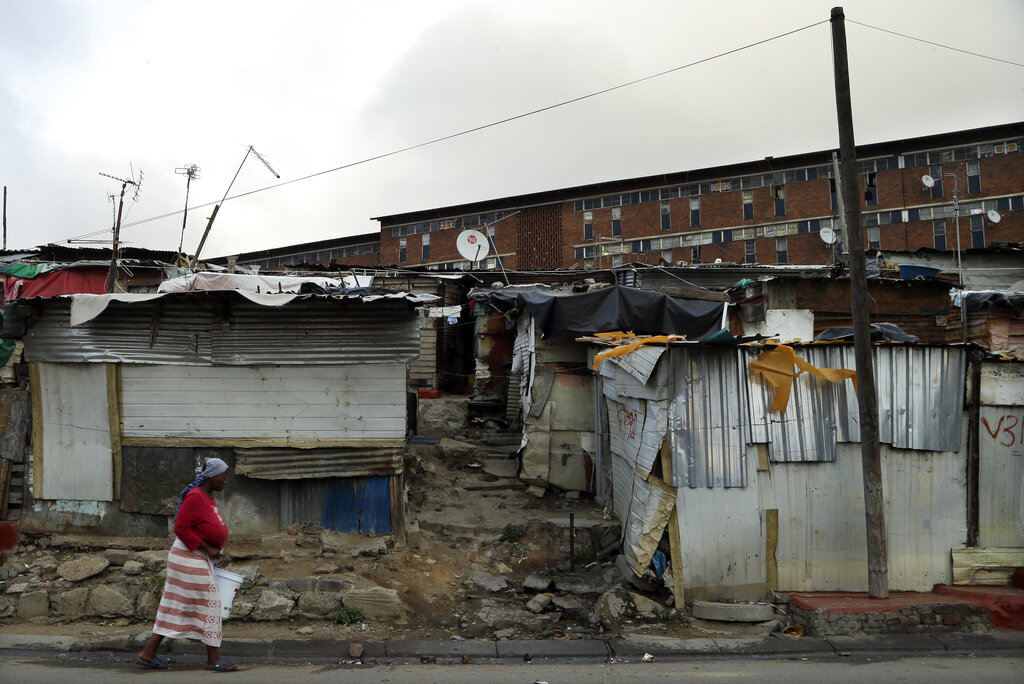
304,394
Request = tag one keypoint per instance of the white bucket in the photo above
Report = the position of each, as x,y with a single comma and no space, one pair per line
227,585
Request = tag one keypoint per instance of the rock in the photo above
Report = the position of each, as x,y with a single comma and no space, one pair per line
146,605
78,569
272,606
376,602
584,584
45,563
537,582
326,569
276,544
733,612
330,585
17,588
441,417
117,556
153,560
355,650
314,604
251,573
538,603
33,604
107,601
645,607
614,606
121,622
132,568
6,608
506,633
302,584
241,608
304,631
567,603
352,543
71,603
277,584
490,582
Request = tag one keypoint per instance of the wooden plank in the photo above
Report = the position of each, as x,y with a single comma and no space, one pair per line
12,443
771,545
36,391
686,292
6,468
398,530
243,442
763,462
992,565
114,414
674,541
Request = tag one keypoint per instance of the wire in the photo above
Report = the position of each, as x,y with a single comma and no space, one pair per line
929,42
479,128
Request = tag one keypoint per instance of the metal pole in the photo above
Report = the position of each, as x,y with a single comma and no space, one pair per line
870,449
209,225
5,218
112,275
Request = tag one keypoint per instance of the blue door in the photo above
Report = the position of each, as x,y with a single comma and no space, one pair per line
358,504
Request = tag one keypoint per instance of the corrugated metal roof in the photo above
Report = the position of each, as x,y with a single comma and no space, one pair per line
708,425
228,330
295,464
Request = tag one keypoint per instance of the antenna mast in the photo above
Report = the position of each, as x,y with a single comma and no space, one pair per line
125,182
191,172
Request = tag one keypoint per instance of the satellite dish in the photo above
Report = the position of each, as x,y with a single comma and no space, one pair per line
927,180
827,235
994,216
472,245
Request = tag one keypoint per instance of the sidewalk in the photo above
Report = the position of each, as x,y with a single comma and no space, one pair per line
623,649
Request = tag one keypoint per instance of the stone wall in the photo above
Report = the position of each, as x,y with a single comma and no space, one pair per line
961,617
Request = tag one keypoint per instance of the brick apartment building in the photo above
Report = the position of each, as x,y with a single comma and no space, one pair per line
767,211
354,250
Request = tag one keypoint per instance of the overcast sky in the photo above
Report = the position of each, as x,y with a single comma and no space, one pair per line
104,86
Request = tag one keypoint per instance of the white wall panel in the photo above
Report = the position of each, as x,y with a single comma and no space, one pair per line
1001,476
272,402
77,461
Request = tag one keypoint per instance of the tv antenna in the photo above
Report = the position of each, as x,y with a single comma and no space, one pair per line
191,173
216,208
125,182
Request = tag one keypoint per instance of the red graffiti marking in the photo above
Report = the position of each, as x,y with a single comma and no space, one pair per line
1005,435
627,422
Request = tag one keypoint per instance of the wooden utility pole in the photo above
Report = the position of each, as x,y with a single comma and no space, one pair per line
867,399
5,218
112,275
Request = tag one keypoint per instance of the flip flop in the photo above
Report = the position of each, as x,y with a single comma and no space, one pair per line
222,667
157,663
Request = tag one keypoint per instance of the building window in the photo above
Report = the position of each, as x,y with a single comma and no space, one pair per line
401,250
666,256
750,255
832,194
779,193
936,173
616,221
748,205
426,247
939,234
695,211
781,250
616,260
695,255
588,225
874,237
666,216
870,189
973,178
978,231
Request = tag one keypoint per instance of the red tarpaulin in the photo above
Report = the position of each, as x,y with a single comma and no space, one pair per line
64,282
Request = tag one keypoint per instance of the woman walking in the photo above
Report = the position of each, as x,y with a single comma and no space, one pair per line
190,607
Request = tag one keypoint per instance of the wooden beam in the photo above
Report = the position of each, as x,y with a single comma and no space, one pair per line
686,292
114,415
37,429
258,442
674,540
771,545
398,531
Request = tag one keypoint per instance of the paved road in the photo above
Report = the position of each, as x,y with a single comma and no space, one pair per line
855,670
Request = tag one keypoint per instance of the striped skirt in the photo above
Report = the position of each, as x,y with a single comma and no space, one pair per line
190,605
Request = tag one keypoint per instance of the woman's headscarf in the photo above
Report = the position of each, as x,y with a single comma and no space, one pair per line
213,468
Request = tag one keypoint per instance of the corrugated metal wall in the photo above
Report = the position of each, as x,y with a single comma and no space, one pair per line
365,402
351,504
1001,455
76,450
205,330
821,537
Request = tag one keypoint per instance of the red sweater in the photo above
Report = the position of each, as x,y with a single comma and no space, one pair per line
199,521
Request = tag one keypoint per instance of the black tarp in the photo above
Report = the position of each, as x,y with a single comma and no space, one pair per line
608,309
987,300
879,331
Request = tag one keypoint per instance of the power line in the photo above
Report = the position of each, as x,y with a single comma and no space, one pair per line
478,128
929,42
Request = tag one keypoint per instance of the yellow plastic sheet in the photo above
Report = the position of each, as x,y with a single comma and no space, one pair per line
776,367
629,343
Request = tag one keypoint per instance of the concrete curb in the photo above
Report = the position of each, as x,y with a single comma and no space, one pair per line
527,649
